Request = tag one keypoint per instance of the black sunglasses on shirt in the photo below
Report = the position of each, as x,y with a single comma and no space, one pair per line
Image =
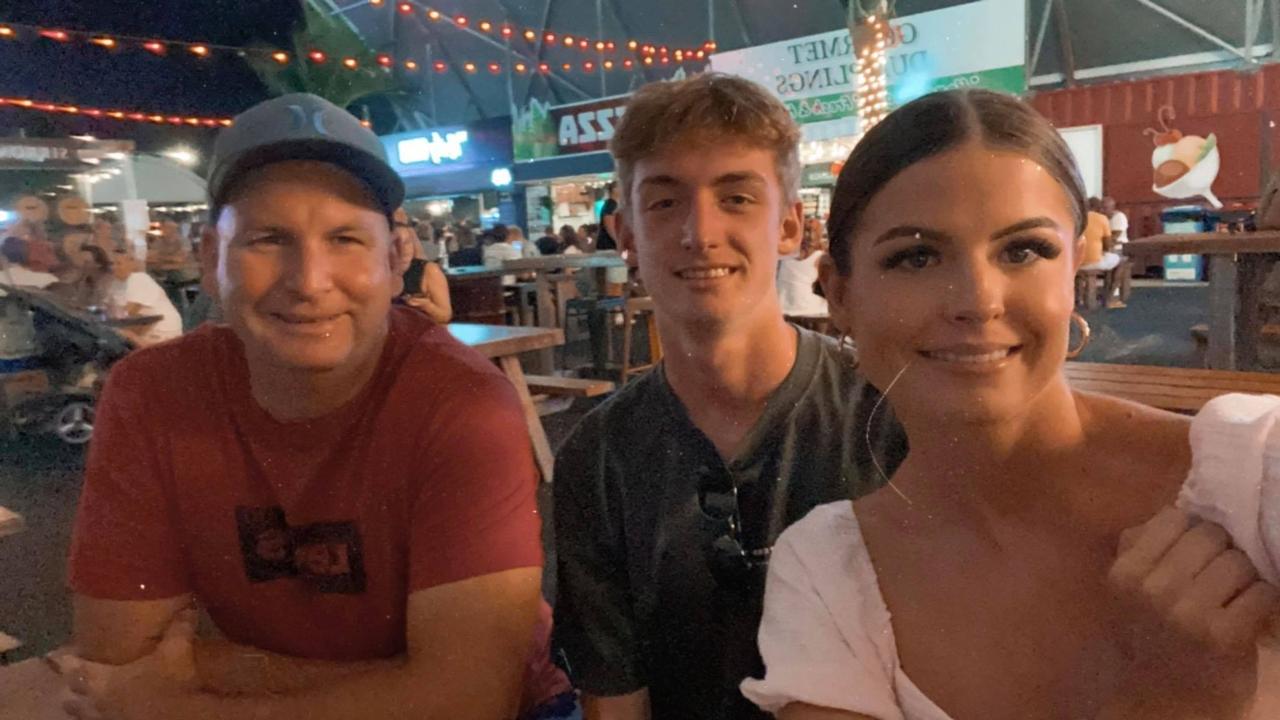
732,564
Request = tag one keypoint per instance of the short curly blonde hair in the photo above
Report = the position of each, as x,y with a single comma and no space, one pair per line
705,107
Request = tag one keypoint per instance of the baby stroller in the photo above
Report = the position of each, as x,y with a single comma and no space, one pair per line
53,361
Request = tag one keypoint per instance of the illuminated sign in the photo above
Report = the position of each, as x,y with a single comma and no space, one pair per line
434,148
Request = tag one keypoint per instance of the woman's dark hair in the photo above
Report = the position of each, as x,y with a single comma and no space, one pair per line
100,257
568,236
14,249
930,126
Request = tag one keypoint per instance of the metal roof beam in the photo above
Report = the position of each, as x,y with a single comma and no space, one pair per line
494,43
541,52
1252,26
1198,30
747,35
335,10
1035,53
1275,27
639,66
1064,39
462,79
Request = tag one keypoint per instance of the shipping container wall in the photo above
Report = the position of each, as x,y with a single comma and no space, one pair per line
1239,107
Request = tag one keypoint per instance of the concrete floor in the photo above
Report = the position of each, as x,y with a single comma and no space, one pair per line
41,479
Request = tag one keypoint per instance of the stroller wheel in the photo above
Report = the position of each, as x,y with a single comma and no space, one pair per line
74,422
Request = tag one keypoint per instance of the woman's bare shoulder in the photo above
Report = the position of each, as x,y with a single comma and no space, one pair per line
1147,447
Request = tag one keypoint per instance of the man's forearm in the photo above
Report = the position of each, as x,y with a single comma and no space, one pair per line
388,693
225,668
634,706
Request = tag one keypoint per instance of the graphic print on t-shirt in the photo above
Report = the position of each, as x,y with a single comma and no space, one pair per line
327,555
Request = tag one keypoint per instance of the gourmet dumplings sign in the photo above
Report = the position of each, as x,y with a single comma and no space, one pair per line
978,44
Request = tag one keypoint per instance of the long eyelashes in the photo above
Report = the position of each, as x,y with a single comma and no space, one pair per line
1044,249
916,258
1017,252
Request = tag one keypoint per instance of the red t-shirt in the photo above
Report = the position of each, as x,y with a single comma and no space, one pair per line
305,538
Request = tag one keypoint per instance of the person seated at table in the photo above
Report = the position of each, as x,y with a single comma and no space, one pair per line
1099,254
169,251
345,489
670,493
86,282
549,243
528,249
1098,251
1026,561
135,293
586,238
499,247
797,276
425,286
16,271
570,243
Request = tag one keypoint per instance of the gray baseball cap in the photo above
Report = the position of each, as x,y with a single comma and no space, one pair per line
300,126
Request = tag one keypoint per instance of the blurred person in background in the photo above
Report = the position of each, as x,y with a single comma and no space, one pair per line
549,243
16,271
797,276
425,286
570,242
135,293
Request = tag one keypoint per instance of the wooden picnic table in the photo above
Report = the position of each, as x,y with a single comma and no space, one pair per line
541,267
504,344
1238,265
31,690
11,523
1168,388
133,321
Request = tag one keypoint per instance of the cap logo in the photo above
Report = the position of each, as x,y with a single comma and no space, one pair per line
300,119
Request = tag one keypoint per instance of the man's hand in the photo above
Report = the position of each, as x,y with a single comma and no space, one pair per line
1199,611
154,686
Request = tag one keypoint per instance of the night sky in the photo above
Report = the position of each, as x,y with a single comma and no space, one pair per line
87,75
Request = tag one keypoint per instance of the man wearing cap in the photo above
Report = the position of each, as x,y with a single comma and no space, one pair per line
319,475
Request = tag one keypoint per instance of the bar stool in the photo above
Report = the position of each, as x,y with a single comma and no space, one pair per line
633,307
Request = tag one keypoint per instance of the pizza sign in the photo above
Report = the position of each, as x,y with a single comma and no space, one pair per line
588,130
545,131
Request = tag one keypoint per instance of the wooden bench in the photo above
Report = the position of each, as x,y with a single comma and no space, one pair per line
567,386
1177,389
1089,286
11,522
8,644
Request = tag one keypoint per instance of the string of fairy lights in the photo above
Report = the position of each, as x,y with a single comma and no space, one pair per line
603,54
114,114
872,58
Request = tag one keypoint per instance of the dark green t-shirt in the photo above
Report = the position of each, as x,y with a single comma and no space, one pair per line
637,604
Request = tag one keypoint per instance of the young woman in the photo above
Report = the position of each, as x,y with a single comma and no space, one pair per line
426,287
1025,561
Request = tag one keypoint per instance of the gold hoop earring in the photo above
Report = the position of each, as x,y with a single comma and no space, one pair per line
849,347
1078,320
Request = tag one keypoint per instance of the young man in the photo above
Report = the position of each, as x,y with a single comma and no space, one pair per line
320,474
669,495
